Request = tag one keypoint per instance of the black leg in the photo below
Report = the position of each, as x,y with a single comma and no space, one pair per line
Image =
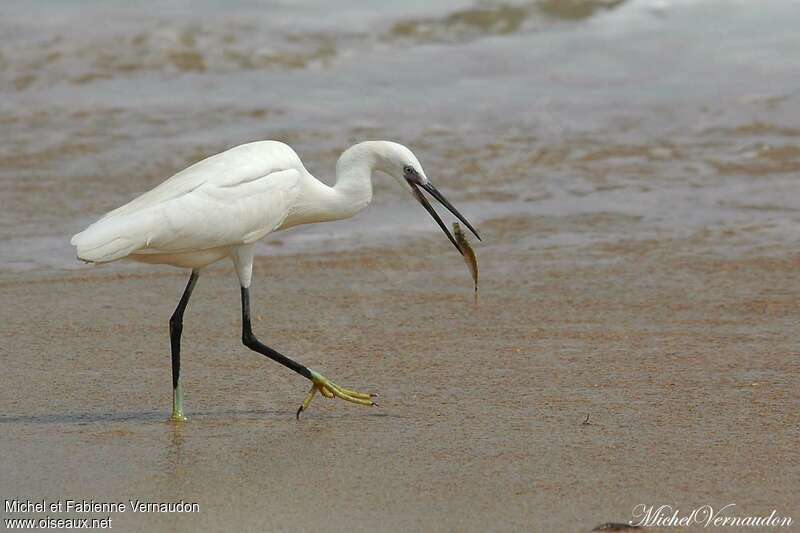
250,340
176,327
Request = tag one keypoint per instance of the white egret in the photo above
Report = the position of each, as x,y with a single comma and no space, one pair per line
220,206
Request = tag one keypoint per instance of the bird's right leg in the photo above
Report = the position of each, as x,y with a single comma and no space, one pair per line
243,262
319,383
175,330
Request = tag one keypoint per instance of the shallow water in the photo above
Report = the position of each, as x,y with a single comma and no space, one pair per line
682,114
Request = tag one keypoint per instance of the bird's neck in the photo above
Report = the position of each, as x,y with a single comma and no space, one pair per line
353,189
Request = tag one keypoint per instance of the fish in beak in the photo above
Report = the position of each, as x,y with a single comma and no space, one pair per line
416,185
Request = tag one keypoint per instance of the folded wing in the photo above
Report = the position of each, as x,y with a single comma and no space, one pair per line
232,198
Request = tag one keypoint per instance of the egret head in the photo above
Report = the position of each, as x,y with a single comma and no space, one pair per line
401,163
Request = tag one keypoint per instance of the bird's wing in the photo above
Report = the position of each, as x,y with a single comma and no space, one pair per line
233,198
238,165
213,216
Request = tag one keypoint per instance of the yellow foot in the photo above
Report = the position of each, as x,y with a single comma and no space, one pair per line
329,389
178,417
177,404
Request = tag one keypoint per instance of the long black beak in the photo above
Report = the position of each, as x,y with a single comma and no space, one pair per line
436,194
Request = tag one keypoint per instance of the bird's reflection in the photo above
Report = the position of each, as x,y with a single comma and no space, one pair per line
175,453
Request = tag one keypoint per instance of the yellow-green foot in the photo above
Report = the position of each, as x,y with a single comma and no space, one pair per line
178,417
177,404
329,389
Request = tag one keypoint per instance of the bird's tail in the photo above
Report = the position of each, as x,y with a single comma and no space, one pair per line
110,239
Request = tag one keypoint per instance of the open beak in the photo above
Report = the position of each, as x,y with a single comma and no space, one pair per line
433,191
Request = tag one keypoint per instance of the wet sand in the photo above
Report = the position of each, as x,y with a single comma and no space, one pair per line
684,357
632,166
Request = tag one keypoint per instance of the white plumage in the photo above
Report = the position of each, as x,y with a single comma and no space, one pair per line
222,205
232,198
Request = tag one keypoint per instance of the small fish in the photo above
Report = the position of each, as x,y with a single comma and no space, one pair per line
467,252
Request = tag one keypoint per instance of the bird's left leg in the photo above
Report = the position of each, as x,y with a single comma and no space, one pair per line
319,382
175,330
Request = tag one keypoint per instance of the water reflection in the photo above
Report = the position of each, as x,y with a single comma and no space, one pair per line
175,453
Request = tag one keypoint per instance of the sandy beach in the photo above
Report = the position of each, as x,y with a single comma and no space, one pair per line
632,166
682,358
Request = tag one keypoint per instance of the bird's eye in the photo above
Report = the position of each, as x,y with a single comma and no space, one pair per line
408,169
